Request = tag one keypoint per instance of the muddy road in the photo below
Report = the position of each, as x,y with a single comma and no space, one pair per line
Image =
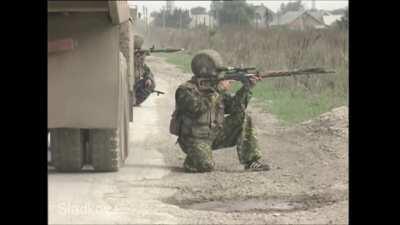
308,183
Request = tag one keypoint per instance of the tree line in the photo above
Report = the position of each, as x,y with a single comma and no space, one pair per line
237,12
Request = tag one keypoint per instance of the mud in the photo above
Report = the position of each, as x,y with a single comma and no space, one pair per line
268,205
308,180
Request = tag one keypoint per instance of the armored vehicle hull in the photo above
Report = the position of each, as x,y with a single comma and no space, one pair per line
90,74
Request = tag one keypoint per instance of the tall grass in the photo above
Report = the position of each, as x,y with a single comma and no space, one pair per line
293,99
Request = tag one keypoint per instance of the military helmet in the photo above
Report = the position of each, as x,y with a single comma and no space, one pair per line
138,41
206,63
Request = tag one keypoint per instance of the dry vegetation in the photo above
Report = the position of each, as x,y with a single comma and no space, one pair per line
275,49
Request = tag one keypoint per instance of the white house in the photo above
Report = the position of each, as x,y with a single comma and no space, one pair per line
202,20
331,19
300,20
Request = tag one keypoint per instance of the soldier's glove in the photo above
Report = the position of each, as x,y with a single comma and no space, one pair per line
148,83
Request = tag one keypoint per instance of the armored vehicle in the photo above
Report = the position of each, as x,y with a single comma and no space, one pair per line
90,82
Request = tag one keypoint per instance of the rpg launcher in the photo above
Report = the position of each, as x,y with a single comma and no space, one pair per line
153,49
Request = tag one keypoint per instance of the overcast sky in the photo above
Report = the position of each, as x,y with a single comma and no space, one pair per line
271,4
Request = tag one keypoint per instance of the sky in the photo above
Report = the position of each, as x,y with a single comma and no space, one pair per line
271,4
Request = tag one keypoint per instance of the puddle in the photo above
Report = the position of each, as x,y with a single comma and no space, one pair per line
270,205
266,205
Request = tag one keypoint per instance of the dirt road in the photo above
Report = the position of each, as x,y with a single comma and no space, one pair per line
307,184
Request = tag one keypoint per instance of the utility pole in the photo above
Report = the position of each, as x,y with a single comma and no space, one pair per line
164,18
180,19
170,5
218,22
144,18
209,21
147,20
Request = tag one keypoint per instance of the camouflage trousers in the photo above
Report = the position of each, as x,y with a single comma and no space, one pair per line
142,92
237,131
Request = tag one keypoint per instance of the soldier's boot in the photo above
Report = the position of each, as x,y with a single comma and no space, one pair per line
256,166
200,167
247,147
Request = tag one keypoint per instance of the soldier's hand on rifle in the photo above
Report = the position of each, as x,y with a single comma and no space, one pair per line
148,83
253,80
225,85
249,81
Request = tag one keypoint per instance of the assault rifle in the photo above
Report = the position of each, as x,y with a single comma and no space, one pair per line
233,73
239,74
158,92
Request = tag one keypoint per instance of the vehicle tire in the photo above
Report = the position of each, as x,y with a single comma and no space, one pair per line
67,149
104,145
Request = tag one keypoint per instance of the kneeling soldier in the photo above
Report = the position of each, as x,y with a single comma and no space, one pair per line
144,78
201,105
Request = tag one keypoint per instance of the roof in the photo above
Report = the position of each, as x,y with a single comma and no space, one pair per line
331,19
317,15
286,18
261,9
290,16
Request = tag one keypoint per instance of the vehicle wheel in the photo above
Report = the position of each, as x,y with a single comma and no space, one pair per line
104,145
67,151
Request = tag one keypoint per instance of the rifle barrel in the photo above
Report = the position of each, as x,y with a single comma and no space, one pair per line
281,73
285,73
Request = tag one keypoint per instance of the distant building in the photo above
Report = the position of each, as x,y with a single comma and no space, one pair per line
300,20
331,19
261,13
204,19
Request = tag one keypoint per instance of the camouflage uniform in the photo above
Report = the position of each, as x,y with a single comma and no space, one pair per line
142,74
204,126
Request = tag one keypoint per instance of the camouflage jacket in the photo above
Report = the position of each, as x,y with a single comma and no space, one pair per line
202,115
142,71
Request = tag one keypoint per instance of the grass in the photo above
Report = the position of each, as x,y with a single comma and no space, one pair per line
293,106
181,60
289,103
